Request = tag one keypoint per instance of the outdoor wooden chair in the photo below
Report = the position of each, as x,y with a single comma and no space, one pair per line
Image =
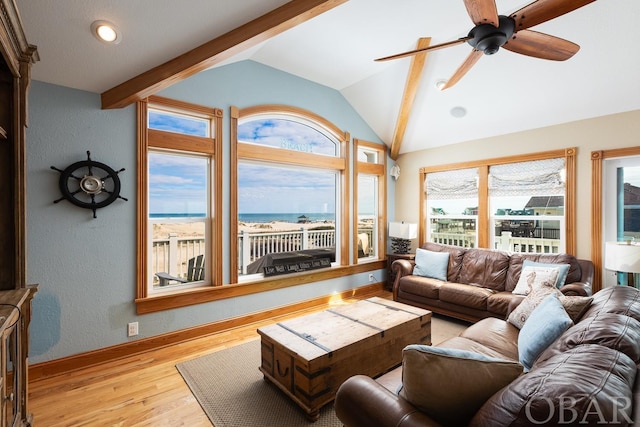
195,272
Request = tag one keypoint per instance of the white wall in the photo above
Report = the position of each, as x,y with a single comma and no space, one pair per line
601,133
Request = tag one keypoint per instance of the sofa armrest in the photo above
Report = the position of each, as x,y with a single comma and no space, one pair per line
402,267
580,289
361,401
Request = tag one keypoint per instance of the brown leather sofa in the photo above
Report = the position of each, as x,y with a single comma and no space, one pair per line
479,281
588,376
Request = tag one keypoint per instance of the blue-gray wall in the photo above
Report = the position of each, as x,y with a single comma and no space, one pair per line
86,267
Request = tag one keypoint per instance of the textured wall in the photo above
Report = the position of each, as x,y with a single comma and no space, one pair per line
86,267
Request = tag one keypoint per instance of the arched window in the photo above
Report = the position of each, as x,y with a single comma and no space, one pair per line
291,193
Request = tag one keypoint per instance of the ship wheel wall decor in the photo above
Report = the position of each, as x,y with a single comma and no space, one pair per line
89,184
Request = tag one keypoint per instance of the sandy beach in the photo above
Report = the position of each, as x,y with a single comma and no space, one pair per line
162,231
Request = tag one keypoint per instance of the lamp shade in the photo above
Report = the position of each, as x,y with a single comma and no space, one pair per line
402,230
622,257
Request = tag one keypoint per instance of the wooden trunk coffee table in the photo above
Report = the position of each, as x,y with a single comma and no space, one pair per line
310,356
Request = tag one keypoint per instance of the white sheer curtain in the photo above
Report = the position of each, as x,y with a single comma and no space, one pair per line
534,178
454,184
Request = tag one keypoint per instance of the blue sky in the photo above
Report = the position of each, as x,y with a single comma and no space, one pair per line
178,183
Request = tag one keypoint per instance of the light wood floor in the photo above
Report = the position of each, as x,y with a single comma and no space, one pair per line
143,390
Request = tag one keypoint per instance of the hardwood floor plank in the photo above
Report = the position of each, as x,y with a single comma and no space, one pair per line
138,391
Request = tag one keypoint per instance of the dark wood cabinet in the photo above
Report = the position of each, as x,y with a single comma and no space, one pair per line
15,296
391,276
15,316
15,74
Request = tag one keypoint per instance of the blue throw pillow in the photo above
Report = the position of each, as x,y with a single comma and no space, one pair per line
544,325
431,264
563,270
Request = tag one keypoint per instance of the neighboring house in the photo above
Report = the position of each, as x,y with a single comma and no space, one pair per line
546,205
631,210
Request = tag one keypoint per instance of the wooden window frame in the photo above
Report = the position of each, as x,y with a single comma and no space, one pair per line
484,237
597,159
210,146
243,151
379,169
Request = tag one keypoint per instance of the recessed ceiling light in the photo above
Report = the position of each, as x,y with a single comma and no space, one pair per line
458,112
106,32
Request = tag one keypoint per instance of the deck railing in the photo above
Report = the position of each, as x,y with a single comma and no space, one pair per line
505,241
252,246
172,254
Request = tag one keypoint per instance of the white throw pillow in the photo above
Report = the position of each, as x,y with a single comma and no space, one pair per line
533,278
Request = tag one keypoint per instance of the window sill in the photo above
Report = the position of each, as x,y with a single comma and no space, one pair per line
157,303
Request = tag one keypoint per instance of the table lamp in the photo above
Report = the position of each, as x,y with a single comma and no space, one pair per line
622,257
401,234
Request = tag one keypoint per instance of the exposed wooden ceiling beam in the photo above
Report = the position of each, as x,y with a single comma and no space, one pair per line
215,51
409,96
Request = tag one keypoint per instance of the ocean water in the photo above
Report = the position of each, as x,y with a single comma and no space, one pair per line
285,217
258,217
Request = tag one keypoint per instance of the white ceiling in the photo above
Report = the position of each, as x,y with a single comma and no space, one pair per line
503,93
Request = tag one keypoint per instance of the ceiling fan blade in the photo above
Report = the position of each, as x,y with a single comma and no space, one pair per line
543,10
540,45
482,11
462,70
425,49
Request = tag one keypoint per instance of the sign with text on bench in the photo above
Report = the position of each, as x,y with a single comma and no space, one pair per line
296,267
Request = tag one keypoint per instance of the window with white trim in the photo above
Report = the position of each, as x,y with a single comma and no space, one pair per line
516,204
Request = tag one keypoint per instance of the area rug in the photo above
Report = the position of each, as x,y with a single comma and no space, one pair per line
233,393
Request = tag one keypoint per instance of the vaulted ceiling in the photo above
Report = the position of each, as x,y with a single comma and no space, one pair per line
335,42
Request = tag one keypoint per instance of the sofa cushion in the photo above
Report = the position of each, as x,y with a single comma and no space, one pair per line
450,385
498,303
465,295
484,267
615,299
495,334
516,263
431,264
534,277
562,273
421,286
616,331
546,323
586,385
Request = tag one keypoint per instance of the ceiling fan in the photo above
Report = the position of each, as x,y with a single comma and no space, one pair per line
493,31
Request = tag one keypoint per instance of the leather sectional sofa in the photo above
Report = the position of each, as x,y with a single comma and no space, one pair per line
587,376
480,281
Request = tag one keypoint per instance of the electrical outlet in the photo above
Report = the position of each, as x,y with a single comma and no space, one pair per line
371,278
132,329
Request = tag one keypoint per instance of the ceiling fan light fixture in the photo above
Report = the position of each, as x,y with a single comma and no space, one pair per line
440,84
489,38
106,32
